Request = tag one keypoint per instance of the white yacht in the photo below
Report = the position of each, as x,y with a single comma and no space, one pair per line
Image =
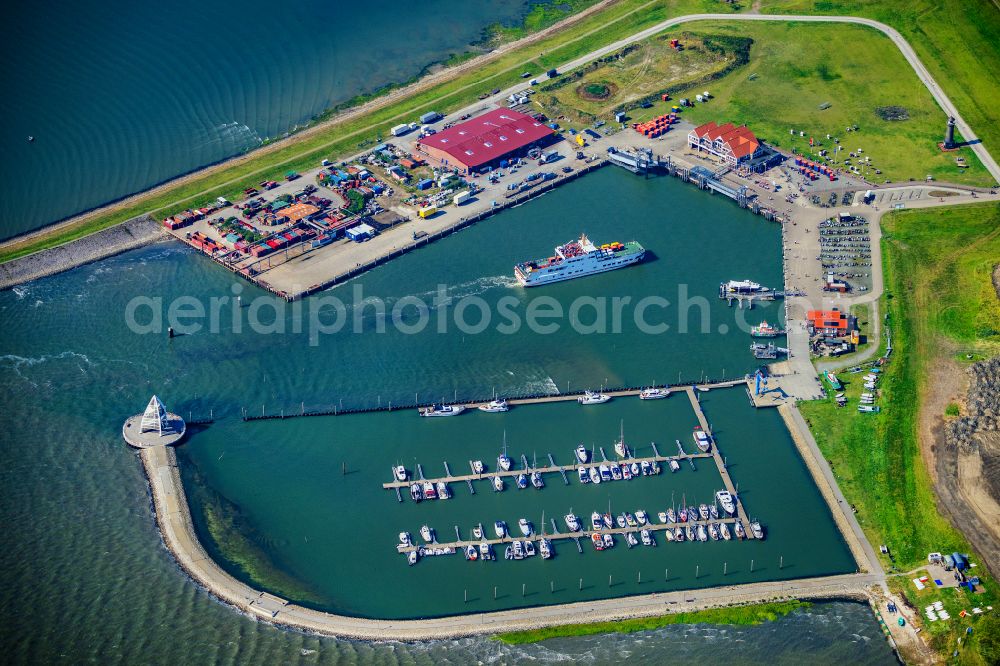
647,538
405,539
758,531
500,527
584,476
726,500
642,517
399,472
596,521
630,538
653,393
674,465
477,531
572,522
545,547
427,533
411,557
416,494
495,406
724,531
702,534
593,398
702,439
582,454
442,410
595,475
498,483
478,467
443,491
525,526
529,548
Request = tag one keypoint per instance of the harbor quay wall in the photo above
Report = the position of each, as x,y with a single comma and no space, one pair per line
177,531
128,235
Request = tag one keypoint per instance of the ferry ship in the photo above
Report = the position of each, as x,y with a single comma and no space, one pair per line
741,288
577,259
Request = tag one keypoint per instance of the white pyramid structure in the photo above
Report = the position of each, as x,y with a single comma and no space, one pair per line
154,419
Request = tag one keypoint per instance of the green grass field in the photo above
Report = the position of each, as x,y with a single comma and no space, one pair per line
940,298
736,615
795,69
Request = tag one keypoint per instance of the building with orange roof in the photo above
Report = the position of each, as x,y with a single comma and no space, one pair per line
829,323
733,145
296,212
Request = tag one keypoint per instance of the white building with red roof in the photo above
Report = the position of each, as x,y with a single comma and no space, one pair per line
733,145
485,140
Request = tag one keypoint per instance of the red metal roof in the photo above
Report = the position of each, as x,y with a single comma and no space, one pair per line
822,319
739,139
488,137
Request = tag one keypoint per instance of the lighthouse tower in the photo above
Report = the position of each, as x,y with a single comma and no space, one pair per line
949,134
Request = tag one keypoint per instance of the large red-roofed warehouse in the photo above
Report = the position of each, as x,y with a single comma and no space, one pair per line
485,140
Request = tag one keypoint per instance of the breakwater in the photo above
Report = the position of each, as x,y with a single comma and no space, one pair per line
128,235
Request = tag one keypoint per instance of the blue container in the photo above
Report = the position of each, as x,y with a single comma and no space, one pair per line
425,184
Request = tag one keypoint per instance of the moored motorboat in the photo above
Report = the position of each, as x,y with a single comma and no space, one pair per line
508,554
609,540
634,467
595,476
536,480
726,499
522,481
647,538
596,522
498,483
713,531
485,551
518,550
500,528
416,493
545,548
443,491
584,476
471,553
758,531
642,517
399,472
702,440
703,511
605,472
572,522
713,511
630,520
669,535
724,531
689,533
429,491
740,532
597,540
411,557
593,398
646,468
582,454
626,472
616,472
525,526
405,539
663,517
674,465
702,533
478,467
442,410
427,533
653,393
529,548
494,406
477,531
630,539
620,520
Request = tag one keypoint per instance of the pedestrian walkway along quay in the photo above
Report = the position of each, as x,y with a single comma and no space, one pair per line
177,530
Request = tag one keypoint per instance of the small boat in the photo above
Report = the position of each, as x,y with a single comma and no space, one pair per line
674,465
478,467
683,515
689,533
508,554
620,520
726,499
529,548
498,483
662,516
495,406
427,533
671,516
429,490
653,393
503,462
647,538
609,540
522,481
654,468
31,139
525,526
605,473
678,535
584,476
607,520
582,454
630,539
518,550
626,472
485,551
646,468
405,539
758,531
442,410
411,557
596,522
713,531
500,527
724,531
545,547
702,534
399,472
471,553
642,517
621,448
630,520
592,398
668,534
765,330
616,473
702,440
598,541
740,532
442,490
713,511
703,511
536,480
635,469
477,531
572,522
416,494
594,475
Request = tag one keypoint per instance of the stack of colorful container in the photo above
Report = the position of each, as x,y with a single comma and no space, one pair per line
657,126
813,170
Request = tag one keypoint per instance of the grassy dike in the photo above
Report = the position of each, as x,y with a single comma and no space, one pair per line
346,137
735,615
940,301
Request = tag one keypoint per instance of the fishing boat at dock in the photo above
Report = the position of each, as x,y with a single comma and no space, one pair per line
578,258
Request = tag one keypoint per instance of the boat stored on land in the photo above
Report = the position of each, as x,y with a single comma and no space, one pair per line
578,258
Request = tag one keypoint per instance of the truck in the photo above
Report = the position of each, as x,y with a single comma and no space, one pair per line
462,197
430,117
400,130
427,211
552,73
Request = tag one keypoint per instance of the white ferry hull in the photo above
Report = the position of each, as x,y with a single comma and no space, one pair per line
537,278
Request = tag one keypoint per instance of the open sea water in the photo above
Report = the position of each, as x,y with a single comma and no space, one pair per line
85,576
